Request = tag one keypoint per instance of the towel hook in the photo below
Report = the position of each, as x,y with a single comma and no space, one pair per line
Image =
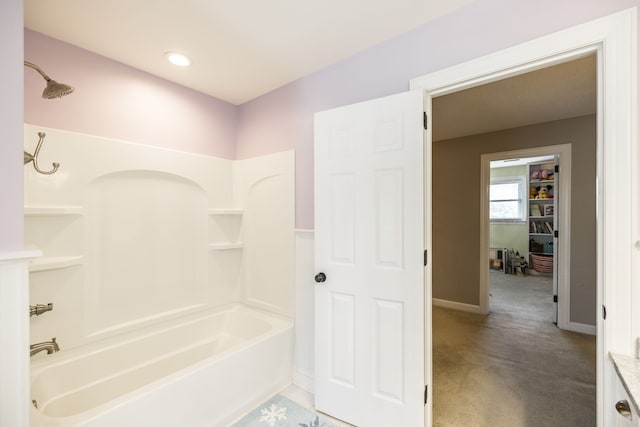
34,157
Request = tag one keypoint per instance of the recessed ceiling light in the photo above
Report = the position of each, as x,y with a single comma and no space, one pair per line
178,59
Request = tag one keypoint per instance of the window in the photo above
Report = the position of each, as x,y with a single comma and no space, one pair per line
506,199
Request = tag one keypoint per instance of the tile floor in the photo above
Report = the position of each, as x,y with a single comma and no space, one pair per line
305,399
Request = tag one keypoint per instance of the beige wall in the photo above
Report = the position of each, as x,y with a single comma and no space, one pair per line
456,207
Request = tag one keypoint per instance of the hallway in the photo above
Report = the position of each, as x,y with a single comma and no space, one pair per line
503,370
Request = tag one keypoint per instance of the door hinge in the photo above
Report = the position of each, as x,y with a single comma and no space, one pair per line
557,169
425,257
555,233
424,119
555,298
604,312
426,393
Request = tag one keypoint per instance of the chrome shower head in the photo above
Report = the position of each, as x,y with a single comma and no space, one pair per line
53,89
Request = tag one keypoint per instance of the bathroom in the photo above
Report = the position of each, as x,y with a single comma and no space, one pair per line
120,108
148,237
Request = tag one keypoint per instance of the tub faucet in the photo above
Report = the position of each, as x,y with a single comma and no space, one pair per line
38,309
48,346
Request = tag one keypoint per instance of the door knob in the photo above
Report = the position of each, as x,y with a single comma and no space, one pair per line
623,409
321,277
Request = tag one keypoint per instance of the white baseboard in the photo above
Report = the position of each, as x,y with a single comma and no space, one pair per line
457,306
303,380
582,328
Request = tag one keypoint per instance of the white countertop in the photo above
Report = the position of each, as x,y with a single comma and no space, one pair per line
628,369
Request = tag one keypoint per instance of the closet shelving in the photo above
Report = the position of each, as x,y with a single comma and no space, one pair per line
542,210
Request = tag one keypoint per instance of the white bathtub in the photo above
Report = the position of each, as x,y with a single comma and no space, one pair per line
202,371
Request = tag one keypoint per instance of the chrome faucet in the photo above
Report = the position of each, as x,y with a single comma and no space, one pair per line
38,309
48,346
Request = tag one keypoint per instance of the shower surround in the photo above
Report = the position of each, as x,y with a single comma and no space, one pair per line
136,238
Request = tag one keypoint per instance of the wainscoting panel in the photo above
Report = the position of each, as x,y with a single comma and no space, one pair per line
303,366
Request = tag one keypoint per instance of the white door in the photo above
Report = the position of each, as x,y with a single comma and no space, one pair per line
369,255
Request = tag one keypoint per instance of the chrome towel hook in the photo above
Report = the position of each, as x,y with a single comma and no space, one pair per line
34,157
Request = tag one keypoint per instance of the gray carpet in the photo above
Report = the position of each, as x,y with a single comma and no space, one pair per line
526,297
502,370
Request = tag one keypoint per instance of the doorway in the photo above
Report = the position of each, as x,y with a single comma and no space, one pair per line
546,241
523,209
454,221
514,117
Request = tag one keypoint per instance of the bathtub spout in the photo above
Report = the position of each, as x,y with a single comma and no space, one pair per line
48,346
38,309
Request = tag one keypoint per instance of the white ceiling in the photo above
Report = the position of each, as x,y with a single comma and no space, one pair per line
240,49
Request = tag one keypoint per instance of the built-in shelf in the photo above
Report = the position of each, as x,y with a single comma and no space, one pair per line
54,262
227,228
541,216
53,210
225,246
226,211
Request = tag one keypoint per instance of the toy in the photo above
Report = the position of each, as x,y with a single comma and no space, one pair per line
542,174
543,192
533,192
546,174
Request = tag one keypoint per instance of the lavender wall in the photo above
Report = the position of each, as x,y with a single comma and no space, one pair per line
283,119
11,113
116,101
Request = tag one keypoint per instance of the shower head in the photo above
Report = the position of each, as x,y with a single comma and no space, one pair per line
53,89
56,90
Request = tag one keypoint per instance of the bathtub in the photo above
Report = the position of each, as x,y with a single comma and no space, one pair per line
204,370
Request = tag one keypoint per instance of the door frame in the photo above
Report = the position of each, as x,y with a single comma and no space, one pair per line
614,39
563,223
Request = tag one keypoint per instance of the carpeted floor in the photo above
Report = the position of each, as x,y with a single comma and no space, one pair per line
526,297
508,370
